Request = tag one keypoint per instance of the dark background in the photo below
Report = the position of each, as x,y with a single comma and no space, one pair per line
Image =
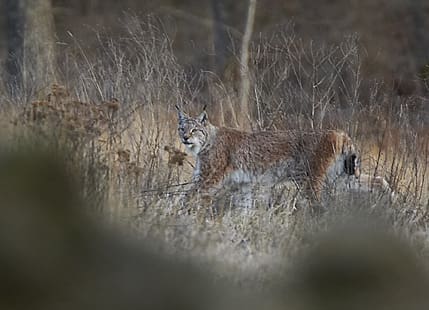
392,33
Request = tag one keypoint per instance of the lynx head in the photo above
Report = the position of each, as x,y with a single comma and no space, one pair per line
193,132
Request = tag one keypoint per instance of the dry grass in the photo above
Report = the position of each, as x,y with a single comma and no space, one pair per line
116,122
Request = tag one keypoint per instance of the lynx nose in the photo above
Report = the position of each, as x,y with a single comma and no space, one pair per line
186,139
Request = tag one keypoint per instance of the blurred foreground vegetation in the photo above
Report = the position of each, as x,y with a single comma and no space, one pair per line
98,147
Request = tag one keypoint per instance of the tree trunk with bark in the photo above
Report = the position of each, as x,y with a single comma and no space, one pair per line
220,36
39,52
15,43
245,112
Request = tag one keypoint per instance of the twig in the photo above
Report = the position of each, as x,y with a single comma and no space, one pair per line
163,189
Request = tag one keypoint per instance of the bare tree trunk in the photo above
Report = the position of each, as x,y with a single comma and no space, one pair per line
15,42
88,6
245,116
419,38
39,53
220,36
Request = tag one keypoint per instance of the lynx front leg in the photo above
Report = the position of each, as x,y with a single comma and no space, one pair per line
208,182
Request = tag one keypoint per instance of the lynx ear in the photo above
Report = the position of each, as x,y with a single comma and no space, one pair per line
202,118
180,113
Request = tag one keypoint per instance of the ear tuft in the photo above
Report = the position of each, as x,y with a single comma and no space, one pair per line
202,118
180,113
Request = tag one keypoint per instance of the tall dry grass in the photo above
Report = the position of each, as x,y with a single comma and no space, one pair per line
113,114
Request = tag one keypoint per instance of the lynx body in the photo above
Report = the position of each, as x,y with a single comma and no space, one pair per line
229,156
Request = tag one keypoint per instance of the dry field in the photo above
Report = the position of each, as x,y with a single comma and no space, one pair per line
111,124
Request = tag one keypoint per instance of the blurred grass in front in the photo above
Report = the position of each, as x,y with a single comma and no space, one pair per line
99,149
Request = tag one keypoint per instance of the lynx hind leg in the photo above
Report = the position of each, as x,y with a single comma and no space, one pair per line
321,159
333,156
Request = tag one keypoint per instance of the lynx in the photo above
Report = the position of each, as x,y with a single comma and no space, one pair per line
225,155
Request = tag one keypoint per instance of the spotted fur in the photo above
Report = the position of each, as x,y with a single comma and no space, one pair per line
229,155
